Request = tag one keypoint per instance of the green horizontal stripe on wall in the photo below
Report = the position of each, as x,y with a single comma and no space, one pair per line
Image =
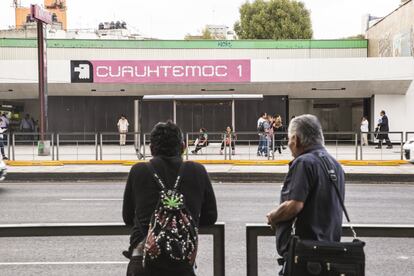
189,44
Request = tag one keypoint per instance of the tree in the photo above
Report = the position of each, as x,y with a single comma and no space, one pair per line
205,35
274,19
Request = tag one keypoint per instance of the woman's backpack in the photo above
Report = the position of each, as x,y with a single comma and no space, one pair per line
172,234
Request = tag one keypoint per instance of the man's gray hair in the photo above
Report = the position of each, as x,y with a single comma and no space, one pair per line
308,129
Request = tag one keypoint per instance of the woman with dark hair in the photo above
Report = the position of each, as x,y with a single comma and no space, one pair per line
279,130
229,139
142,197
201,141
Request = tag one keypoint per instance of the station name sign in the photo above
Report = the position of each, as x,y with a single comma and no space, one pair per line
160,71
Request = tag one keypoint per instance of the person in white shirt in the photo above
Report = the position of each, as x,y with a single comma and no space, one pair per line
122,129
364,130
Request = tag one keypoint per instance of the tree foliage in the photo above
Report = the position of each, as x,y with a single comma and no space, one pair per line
205,35
274,19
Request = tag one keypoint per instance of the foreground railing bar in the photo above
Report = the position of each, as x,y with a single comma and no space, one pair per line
110,229
253,231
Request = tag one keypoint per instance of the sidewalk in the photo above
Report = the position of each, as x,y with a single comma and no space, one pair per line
223,173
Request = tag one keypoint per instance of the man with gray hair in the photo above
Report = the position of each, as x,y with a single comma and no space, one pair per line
308,202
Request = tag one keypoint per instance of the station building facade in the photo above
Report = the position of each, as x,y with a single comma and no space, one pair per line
210,84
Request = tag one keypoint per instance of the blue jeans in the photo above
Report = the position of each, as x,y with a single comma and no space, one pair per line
2,147
262,144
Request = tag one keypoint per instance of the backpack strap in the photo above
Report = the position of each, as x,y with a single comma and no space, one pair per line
155,176
179,176
158,179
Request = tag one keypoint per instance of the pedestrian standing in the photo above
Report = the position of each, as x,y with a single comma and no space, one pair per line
279,130
4,124
2,130
384,128
26,125
261,133
308,202
122,129
163,199
364,130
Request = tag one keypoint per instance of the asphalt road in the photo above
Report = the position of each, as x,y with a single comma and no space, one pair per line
238,204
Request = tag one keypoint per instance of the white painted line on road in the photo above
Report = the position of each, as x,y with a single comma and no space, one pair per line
58,263
91,199
403,258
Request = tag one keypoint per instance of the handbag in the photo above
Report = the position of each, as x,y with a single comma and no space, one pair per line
325,258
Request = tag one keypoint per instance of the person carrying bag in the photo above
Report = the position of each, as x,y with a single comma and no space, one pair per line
308,257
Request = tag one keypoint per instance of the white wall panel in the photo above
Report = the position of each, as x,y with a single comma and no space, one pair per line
180,54
353,69
25,71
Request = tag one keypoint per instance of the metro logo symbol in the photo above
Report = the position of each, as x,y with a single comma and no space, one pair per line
81,71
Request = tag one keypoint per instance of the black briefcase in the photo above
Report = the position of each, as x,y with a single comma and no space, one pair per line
325,258
306,257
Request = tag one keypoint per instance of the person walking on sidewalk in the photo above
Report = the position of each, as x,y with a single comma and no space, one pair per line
364,130
122,129
383,126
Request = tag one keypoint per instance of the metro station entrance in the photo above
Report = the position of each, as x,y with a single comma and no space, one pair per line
335,114
214,116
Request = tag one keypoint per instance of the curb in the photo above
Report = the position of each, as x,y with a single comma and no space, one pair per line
362,178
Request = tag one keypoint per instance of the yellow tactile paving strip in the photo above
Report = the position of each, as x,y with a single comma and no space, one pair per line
205,162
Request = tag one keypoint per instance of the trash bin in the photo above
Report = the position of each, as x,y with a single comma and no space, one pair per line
43,148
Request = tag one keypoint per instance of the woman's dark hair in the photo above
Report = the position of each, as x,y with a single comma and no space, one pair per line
166,139
203,129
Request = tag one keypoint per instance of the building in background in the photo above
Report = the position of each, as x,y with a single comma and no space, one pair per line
207,83
221,32
393,37
214,83
25,27
56,7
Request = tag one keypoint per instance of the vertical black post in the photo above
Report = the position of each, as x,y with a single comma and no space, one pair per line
42,72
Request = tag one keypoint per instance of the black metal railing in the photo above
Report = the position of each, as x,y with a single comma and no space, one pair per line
110,229
253,231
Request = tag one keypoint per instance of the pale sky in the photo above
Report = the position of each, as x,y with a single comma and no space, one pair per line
173,19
